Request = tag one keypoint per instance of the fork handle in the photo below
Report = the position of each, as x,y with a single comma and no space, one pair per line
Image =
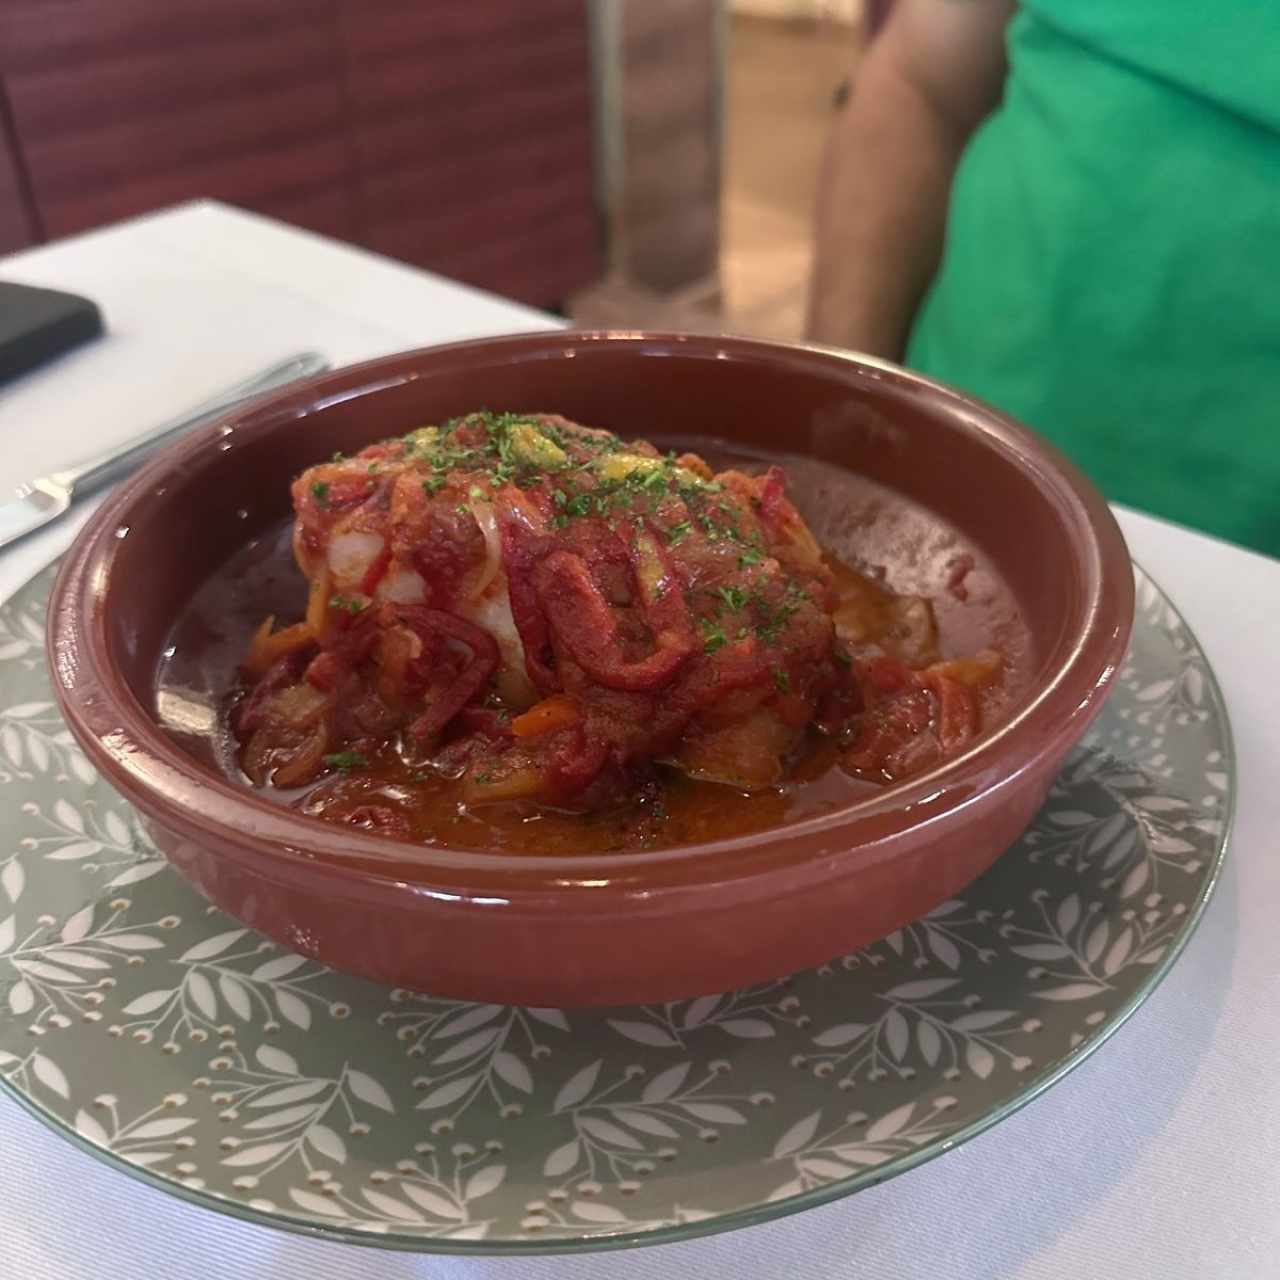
117,462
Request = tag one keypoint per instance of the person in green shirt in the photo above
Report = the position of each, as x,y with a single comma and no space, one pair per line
1071,208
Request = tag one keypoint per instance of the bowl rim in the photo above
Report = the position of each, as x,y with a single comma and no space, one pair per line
125,743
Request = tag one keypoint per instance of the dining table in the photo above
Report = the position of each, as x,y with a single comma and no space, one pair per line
1159,1156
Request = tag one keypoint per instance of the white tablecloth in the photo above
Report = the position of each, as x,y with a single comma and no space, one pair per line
1159,1157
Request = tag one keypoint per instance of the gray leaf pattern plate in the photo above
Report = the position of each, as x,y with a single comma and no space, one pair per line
203,1058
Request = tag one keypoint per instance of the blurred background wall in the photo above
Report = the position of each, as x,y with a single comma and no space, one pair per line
718,145
621,161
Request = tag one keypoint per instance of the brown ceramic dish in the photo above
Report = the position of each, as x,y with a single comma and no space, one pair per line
615,927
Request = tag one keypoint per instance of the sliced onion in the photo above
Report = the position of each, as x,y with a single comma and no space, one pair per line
483,512
286,757
519,784
493,613
304,761
298,705
917,628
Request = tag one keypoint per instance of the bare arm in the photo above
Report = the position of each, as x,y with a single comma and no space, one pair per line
927,81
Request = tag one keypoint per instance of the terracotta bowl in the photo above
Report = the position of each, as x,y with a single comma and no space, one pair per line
617,927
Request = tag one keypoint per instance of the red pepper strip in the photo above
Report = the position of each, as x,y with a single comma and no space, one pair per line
885,675
886,728
344,649
519,557
773,492
376,571
574,761
326,672
957,720
345,490
585,625
447,702
340,491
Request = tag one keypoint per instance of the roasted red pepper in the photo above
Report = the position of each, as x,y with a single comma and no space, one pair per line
443,703
586,625
521,545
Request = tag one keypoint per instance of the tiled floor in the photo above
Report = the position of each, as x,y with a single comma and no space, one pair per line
781,87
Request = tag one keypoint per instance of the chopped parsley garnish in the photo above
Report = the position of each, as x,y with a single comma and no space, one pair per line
655,483
320,492
734,597
433,484
713,636
579,505
348,603
338,456
783,680
462,509
679,532
345,760
749,557
772,628
559,497
842,658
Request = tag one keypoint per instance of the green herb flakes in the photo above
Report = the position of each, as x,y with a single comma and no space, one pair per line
346,760
713,636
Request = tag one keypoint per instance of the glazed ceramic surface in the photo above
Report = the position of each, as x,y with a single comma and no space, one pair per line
610,927
168,1039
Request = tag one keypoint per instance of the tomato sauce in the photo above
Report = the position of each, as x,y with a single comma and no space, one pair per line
914,621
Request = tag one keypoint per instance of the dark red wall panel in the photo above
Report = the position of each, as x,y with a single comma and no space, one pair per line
454,135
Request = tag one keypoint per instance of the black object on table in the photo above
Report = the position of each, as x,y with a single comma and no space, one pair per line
38,324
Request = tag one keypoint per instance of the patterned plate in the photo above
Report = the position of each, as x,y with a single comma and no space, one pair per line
161,1036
